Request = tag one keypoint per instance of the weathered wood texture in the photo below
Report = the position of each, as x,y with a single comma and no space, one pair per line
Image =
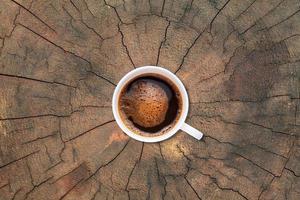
61,59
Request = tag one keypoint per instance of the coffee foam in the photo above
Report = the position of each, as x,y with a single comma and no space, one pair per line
151,113
146,102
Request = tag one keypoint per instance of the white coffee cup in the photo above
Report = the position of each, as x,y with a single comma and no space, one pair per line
180,124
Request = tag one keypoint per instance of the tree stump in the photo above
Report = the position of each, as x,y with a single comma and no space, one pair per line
61,60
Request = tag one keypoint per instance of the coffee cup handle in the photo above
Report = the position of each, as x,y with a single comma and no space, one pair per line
191,131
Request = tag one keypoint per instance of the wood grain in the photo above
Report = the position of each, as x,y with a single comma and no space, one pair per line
60,61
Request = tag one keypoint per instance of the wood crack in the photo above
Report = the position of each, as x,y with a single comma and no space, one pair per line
131,172
255,164
265,188
290,170
66,51
233,49
38,18
70,172
122,35
215,181
36,80
210,77
188,182
259,19
244,10
265,127
219,11
187,8
124,45
35,186
244,101
164,180
63,143
54,165
118,16
102,77
280,22
3,186
194,42
83,133
74,186
48,154
188,169
162,42
37,116
106,164
81,18
226,39
221,142
231,57
240,123
160,151
11,32
239,147
39,138
16,193
18,159
162,8
269,184
187,52
266,150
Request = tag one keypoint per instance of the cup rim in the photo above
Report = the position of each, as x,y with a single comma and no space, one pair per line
146,70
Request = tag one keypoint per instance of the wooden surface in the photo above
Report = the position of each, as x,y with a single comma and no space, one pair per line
60,61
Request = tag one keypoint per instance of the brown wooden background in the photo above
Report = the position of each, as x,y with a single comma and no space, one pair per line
61,59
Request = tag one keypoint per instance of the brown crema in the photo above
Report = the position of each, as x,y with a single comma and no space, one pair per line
150,105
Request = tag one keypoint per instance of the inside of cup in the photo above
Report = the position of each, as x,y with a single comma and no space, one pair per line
133,131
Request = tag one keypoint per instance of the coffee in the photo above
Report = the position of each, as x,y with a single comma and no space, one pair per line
150,105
